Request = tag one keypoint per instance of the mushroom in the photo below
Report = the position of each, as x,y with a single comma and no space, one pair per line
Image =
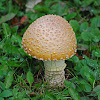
51,38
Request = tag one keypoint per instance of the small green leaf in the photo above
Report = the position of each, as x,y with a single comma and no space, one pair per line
15,91
87,2
86,86
6,30
95,32
14,29
86,36
22,94
25,99
85,98
86,72
41,8
74,94
11,49
97,74
10,98
97,53
30,78
48,3
6,93
38,85
71,15
90,62
2,85
75,25
77,2
2,73
78,67
7,17
84,62
8,79
97,89
0,90
82,46
49,96
90,77
16,39
1,98
68,84
99,97
59,9
84,26
95,22
74,59
13,63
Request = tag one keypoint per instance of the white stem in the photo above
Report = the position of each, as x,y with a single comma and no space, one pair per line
54,65
54,72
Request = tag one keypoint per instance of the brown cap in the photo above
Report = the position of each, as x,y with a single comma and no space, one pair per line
50,38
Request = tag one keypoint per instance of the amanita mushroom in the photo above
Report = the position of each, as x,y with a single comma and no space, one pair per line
51,38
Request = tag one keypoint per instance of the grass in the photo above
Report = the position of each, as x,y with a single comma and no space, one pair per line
22,77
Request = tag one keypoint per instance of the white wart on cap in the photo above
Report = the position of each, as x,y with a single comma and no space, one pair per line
50,38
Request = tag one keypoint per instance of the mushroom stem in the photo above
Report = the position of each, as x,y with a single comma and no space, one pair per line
54,72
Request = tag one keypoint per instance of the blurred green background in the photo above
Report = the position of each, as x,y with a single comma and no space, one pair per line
22,77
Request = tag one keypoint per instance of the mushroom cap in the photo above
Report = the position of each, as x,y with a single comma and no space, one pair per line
50,37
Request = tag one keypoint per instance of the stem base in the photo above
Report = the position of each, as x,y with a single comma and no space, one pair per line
55,78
